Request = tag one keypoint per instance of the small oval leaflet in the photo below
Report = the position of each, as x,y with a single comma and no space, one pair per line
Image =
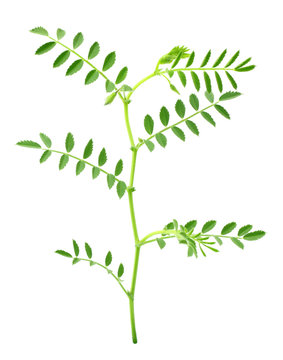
46,140
110,98
207,81
110,180
233,58
88,250
190,225
76,248
88,149
191,59
196,81
222,111
244,230
109,86
148,124
39,30
228,228
220,58
237,242
61,59
120,270
63,253
45,156
60,33
149,144
164,116
206,59
63,161
122,75
229,95
180,108
194,101
219,81
74,67
192,126
173,88
29,144
95,172
45,48
69,142
78,40
161,139
209,96
255,235
109,61
91,77
243,63
80,167
209,225
247,68
232,80
182,77
108,258
119,167
208,118
102,158
179,133
93,51
121,188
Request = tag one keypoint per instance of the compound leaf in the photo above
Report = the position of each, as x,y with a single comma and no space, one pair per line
45,48
122,75
222,111
69,142
164,116
109,61
108,258
244,230
76,248
91,77
45,156
61,59
192,126
180,108
88,250
80,167
255,235
161,139
93,51
88,149
194,101
208,118
196,81
228,228
29,144
102,158
121,188
78,40
148,124
178,132
64,159
74,67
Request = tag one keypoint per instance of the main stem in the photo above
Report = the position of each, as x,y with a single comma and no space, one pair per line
130,190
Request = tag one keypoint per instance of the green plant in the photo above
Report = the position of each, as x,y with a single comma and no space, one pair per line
166,68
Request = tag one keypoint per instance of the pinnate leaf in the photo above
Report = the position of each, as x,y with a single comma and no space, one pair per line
78,40
63,253
110,180
108,258
39,30
228,228
164,116
196,81
122,75
93,51
222,111
102,158
180,108
69,142
121,188
209,225
29,144
194,101
148,124
46,140
88,149
208,118
161,139
119,167
244,230
109,61
45,156
192,126
91,77
61,59
120,270
255,235
74,67
179,133
76,248
80,167
64,159
45,48
60,33
88,250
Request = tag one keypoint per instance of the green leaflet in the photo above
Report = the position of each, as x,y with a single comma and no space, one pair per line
121,188
63,253
80,167
229,95
208,118
110,180
190,225
122,75
244,230
196,81
243,63
88,250
247,68
108,258
191,59
69,142
126,88
228,228
88,149
78,40
75,261
178,58
161,243
110,98
29,144
175,223
149,144
161,139
221,57
164,116
60,33
46,140
76,248
192,126
207,81
148,124
74,67
255,235
45,48
109,86
45,156
61,59
218,240
209,96
219,81
119,167
91,77
91,263
120,270
170,72
233,58
109,61
169,226
178,132
95,172
182,77
222,111
206,59
173,88
64,159
209,225
102,158
201,249
93,51
39,30
232,80
180,108
194,101
237,242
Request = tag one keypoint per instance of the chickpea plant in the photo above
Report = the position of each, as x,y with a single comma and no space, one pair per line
168,67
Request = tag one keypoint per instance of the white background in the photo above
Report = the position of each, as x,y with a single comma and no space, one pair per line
225,306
